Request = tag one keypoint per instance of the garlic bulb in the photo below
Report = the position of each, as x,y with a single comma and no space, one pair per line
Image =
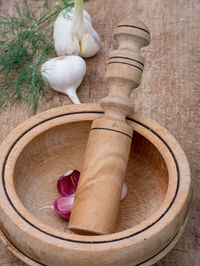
74,33
65,74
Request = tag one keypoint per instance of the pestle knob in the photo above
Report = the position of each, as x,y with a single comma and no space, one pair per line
97,200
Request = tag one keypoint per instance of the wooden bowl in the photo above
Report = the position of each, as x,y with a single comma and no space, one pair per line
152,216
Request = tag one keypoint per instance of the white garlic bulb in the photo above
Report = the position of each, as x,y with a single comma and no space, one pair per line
65,74
74,34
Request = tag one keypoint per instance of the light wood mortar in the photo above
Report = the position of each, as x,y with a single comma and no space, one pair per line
37,152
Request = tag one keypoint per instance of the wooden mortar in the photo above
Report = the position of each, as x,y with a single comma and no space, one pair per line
97,200
152,215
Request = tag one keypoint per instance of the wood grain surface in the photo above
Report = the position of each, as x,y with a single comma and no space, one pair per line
169,92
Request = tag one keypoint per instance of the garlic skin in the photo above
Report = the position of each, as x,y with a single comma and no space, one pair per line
90,43
74,34
63,206
65,74
67,184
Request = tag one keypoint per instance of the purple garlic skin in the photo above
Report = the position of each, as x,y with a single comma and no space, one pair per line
67,186
68,183
63,206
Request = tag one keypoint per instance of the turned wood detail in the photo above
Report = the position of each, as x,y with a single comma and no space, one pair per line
125,67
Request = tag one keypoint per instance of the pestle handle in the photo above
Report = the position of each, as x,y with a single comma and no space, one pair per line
125,66
97,200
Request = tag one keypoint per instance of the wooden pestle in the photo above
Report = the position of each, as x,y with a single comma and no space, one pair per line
96,206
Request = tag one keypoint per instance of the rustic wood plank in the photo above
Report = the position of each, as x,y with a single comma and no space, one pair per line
169,92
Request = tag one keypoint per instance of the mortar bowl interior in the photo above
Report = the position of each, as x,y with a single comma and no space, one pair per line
60,148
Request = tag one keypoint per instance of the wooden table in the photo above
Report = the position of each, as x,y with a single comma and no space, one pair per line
169,92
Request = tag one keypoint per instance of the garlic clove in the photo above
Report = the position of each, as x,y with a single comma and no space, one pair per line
89,46
90,41
63,206
68,183
67,186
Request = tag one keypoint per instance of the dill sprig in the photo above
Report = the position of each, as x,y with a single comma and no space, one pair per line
26,42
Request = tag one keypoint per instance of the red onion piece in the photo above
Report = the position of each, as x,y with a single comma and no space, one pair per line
68,183
63,206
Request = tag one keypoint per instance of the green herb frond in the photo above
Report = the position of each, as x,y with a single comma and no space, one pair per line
26,42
